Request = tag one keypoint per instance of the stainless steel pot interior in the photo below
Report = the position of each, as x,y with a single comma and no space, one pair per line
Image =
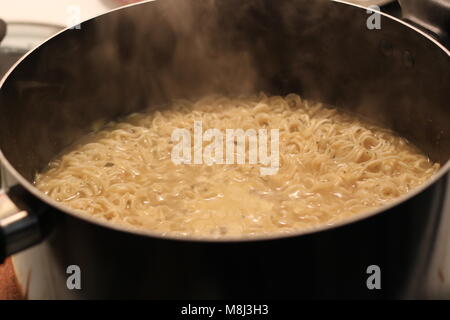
148,54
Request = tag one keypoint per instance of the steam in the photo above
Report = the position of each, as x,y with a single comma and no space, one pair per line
193,48
321,50
150,54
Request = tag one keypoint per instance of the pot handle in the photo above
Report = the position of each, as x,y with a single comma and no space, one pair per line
19,224
433,16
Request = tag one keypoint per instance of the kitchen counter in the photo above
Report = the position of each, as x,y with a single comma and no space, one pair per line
9,289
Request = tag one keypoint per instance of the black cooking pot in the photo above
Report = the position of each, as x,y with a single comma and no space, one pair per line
151,53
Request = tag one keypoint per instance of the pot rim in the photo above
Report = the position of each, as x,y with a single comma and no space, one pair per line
263,237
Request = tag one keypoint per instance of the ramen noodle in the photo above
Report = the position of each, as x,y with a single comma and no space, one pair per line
332,166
